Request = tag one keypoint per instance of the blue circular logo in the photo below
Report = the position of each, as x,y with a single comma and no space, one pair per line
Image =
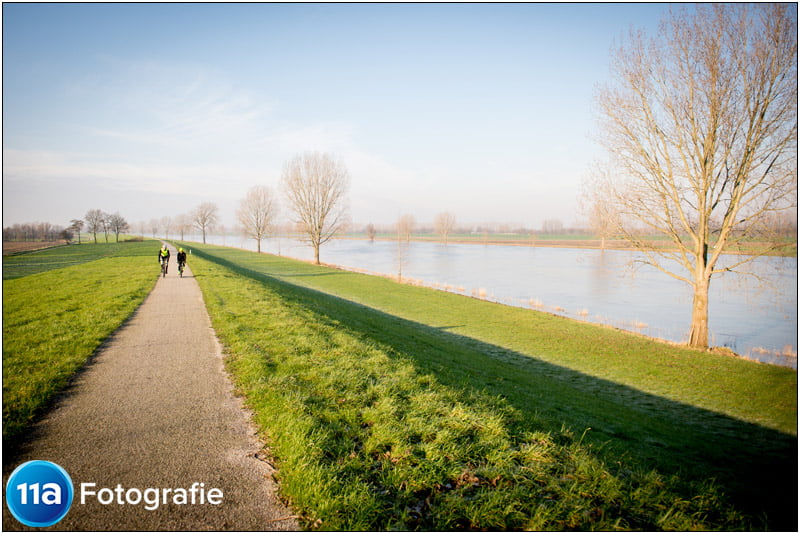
39,493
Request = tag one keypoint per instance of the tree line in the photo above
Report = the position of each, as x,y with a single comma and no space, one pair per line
95,221
35,231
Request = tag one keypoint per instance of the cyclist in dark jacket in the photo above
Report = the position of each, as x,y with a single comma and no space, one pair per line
181,257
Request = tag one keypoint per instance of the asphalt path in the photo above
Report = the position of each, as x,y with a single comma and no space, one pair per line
154,408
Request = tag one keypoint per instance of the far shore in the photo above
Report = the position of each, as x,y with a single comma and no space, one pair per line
789,249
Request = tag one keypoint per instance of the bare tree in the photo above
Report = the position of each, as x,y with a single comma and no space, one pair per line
402,256
166,225
182,224
599,211
76,226
443,224
370,230
256,214
405,227
117,224
154,224
106,224
700,125
205,217
94,222
315,186
552,226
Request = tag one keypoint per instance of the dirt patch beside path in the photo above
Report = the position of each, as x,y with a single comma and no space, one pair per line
27,246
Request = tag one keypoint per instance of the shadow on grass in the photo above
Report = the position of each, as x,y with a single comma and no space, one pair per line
755,466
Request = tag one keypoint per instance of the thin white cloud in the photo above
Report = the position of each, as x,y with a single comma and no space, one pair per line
169,106
160,178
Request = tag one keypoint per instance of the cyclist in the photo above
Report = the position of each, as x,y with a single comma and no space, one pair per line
163,256
181,257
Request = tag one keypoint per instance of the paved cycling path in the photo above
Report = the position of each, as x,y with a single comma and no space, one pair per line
155,408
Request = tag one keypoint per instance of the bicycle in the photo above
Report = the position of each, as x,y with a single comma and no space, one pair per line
181,264
164,267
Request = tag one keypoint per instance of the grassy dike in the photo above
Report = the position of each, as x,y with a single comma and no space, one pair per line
56,316
389,406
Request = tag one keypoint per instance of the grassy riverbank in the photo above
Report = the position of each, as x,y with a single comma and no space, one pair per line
391,406
59,305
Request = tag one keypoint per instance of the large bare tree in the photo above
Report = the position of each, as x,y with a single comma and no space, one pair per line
205,217
315,185
256,214
700,124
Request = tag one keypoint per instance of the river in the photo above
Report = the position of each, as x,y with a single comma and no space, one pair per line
755,317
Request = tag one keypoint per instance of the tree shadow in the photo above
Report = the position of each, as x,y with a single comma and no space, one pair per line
754,465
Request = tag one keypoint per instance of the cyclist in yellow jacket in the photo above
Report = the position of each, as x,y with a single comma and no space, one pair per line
163,256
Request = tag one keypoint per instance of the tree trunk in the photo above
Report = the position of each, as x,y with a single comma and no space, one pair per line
698,334
316,253
259,245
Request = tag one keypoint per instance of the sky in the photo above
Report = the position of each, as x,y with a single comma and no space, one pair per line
483,110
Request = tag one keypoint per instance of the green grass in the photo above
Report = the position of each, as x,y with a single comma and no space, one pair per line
27,263
55,319
390,406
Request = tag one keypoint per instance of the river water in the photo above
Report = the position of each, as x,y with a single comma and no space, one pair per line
755,317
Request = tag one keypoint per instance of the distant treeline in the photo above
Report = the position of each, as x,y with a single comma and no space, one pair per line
548,227
36,231
781,225
95,221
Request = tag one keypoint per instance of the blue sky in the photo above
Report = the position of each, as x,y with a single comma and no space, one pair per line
485,110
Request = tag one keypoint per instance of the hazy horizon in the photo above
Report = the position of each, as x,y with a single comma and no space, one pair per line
483,110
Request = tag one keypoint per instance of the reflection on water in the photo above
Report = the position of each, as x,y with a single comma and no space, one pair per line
753,316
